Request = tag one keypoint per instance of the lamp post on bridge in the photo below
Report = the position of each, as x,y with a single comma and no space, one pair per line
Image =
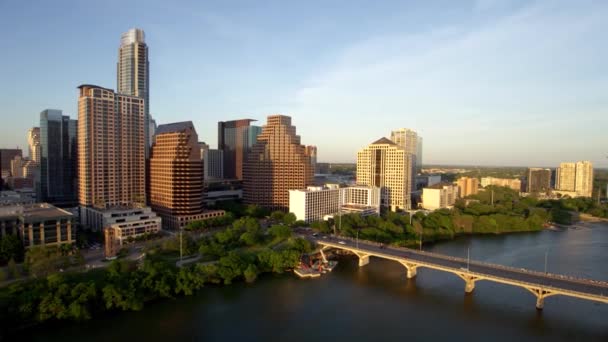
546,257
357,238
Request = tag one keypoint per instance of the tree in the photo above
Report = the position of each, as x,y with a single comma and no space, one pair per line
280,231
289,219
277,216
13,270
11,247
250,273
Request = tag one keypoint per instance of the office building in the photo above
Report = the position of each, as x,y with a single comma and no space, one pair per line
276,164
137,217
235,139
58,158
213,164
311,151
111,144
438,196
222,190
388,166
176,176
419,155
575,179
132,223
16,197
408,140
133,74
33,142
315,203
39,224
467,186
514,184
538,180
6,155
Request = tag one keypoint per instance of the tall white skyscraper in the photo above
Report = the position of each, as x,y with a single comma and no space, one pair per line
133,73
408,139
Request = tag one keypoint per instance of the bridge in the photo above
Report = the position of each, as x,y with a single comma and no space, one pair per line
540,284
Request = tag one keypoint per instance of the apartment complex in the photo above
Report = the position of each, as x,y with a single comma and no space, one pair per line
538,180
133,74
467,186
438,196
278,162
111,144
388,166
38,224
58,158
316,202
235,139
575,179
33,142
514,184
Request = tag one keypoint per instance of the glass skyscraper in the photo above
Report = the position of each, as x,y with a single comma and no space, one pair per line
235,139
58,159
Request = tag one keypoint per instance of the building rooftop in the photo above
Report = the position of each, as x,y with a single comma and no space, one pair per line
439,185
175,127
383,141
43,211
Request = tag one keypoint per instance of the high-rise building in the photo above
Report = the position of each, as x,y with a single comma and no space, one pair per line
58,158
6,155
133,73
33,141
386,165
213,163
419,155
514,184
408,140
575,179
111,144
467,186
176,176
538,180
276,164
235,138
312,152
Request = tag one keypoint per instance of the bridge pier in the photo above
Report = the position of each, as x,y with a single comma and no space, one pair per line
540,296
469,282
363,259
323,255
411,269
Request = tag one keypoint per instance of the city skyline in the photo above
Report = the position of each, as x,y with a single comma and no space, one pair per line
483,82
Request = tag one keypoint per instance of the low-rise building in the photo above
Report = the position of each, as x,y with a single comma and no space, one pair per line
442,195
38,224
11,198
134,220
467,186
360,199
514,184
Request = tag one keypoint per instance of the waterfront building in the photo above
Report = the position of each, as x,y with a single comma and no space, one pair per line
137,216
58,158
176,176
467,186
39,224
388,166
33,142
235,139
514,184
538,180
276,164
315,203
575,179
132,223
111,144
438,196
6,155
133,74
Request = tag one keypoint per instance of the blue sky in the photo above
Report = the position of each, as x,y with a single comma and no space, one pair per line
484,82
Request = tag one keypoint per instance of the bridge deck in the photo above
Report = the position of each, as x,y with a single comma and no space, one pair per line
558,284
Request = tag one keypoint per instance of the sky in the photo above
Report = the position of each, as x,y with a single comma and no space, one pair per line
486,82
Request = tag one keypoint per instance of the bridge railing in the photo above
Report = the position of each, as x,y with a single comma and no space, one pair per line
479,263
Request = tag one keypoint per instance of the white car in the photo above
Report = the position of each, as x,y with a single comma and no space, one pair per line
342,242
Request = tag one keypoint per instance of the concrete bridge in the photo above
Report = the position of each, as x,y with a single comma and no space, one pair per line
540,284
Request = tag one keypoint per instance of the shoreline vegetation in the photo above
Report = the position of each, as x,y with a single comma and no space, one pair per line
255,242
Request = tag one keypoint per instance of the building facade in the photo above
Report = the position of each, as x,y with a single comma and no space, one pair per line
33,142
213,164
133,74
408,139
6,155
58,158
575,179
276,164
311,151
111,144
360,199
130,224
514,184
439,196
39,224
235,139
467,186
388,166
538,180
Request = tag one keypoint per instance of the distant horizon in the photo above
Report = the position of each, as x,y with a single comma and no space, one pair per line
481,81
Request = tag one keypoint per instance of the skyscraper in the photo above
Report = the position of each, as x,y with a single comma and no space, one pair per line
311,151
6,155
176,175
539,180
33,141
235,138
575,179
133,73
408,140
388,166
276,164
111,144
58,158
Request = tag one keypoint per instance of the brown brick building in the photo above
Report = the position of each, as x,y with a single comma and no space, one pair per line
176,176
111,144
276,164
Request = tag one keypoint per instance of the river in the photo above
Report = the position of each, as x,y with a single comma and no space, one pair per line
377,303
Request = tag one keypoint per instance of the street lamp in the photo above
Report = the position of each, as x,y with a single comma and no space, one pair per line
357,238
546,255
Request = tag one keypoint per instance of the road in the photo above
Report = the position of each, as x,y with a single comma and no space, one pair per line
460,265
